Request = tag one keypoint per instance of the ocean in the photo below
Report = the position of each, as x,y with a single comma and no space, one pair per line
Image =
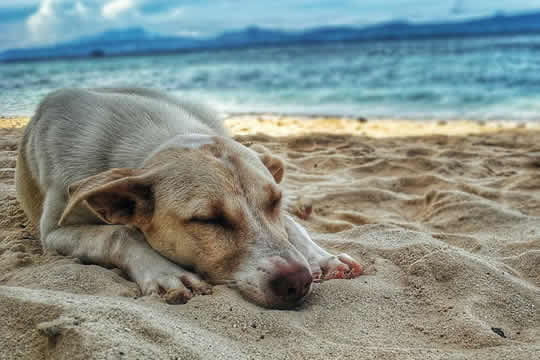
491,78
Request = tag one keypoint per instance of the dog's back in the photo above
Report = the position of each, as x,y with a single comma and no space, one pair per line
145,182
77,133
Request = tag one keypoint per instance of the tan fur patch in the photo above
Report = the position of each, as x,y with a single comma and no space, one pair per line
29,193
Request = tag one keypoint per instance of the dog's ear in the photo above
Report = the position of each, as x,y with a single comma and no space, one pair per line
274,164
117,196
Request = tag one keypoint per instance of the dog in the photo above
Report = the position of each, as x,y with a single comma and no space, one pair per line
154,185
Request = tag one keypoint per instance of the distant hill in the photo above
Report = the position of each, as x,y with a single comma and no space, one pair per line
137,40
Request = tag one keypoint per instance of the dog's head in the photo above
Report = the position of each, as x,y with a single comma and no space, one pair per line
211,204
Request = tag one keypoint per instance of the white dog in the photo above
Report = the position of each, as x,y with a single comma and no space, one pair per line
153,185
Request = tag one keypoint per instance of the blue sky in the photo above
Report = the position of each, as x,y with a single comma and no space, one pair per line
38,22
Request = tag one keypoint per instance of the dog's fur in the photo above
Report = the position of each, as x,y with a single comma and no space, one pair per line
146,182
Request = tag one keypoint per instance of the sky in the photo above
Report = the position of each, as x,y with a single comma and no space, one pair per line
25,23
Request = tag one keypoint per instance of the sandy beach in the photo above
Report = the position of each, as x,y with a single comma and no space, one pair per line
444,215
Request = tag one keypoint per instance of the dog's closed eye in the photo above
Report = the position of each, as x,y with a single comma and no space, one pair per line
275,203
219,220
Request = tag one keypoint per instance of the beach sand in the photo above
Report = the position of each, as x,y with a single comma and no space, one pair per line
447,224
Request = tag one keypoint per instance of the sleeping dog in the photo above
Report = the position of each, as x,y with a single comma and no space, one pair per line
154,185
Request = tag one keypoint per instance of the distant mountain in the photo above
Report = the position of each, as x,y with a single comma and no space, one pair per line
251,35
137,40
116,35
112,42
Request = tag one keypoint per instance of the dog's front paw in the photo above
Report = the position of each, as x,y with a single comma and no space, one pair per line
340,266
176,287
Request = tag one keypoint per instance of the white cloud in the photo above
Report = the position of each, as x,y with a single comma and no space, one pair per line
81,9
116,7
42,23
61,20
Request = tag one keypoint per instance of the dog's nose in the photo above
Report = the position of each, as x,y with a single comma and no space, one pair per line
292,283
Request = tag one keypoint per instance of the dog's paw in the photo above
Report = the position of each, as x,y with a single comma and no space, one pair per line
302,208
340,266
176,287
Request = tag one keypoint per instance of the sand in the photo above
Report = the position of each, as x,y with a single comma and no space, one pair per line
448,227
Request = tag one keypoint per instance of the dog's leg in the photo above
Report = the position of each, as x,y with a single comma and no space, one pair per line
324,266
123,247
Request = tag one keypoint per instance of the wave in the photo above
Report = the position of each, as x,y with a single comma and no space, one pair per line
485,79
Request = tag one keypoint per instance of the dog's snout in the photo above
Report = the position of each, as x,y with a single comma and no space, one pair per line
291,283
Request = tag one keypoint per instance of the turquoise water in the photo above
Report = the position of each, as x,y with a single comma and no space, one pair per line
481,78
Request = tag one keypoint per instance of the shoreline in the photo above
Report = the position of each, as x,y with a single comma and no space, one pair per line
294,125
274,124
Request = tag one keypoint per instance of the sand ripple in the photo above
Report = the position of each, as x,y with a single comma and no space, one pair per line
449,228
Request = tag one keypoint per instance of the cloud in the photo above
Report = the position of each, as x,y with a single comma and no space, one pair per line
62,20
41,22
116,7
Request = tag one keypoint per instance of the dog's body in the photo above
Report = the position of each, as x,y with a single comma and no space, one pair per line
143,181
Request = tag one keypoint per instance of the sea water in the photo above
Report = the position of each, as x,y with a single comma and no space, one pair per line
491,78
